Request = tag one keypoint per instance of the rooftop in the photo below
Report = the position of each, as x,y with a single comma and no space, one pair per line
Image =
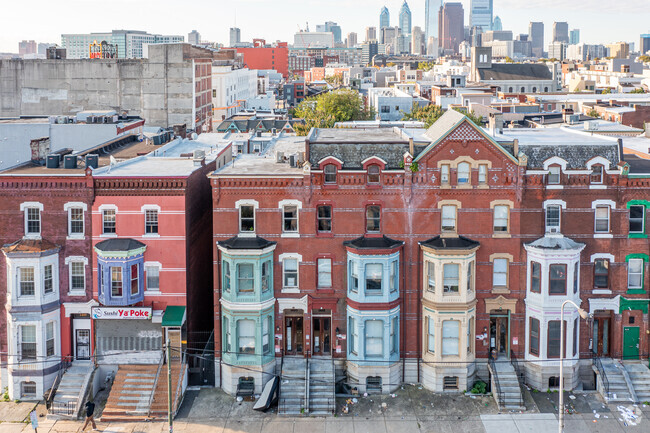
266,163
515,72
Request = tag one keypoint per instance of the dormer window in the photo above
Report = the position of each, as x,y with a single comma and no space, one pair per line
373,174
596,176
463,173
330,173
553,175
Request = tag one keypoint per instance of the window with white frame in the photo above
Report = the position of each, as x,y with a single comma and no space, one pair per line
354,276
108,221
601,273
448,218
290,219
373,174
246,336
450,334
576,275
49,339
431,276
393,336
330,173
470,339
153,277
374,274
266,275
28,389
75,221
463,173
290,272
28,342
553,177
482,174
324,272
394,283
444,174
48,279
32,221
266,341
470,277
637,219
245,277
135,279
226,276
116,281
354,337
374,338
26,281
635,274
553,213
450,278
226,342
501,218
246,218
77,276
150,221
431,335
500,273
596,176
601,219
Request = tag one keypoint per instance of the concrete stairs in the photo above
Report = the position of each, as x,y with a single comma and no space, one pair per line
321,387
292,387
74,381
509,384
619,388
639,374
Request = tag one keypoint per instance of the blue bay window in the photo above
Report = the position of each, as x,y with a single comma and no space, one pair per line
120,272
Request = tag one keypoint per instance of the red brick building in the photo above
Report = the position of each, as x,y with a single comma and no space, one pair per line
264,56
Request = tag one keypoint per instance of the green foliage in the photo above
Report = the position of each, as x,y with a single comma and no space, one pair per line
5,395
478,120
428,114
509,60
426,66
644,58
638,90
592,113
479,387
606,91
414,167
324,110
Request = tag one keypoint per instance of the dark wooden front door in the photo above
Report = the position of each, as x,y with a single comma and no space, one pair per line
602,326
293,335
322,336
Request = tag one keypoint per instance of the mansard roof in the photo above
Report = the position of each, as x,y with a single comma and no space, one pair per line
450,243
246,243
119,244
373,243
30,246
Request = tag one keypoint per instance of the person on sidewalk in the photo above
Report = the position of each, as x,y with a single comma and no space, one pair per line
90,410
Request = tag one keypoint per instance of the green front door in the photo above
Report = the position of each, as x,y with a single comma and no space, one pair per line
631,342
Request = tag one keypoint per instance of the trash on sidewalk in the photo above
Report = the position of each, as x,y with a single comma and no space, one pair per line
572,397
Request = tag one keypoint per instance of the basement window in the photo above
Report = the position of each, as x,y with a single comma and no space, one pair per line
450,383
373,385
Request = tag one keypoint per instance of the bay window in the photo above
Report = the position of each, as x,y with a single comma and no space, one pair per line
246,336
450,278
450,334
28,343
374,275
245,277
535,277
374,338
533,336
431,335
431,276
557,279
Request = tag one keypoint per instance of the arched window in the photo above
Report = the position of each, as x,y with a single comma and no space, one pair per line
510,89
463,173
534,89
523,89
373,174
330,173
545,89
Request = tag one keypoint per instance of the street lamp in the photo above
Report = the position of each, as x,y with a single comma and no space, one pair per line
584,315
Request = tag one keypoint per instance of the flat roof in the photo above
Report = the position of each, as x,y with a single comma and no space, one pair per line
266,163
339,135
552,137
606,126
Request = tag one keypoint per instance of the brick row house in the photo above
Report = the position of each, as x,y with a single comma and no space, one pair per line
407,255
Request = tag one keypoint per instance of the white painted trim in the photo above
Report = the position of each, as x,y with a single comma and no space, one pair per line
27,204
289,202
104,207
293,304
561,203
603,236
610,203
553,186
605,304
601,292
75,204
327,158
555,160
607,256
597,186
598,160
79,307
76,259
247,306
247,202
373,157
150,207
283,256
290,235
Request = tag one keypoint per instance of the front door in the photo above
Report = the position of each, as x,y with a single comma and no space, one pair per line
631,342
293,338
601,336
499,340
82,344
322,344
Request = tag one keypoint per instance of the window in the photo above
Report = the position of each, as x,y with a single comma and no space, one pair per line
77,276
450,382
553,340
501,218
444,174
246,218
330,173
48,280
431,276
635,274
385,109
482,174
394,283
75,221
354,340
470,329
49,339
601,273
290,269
596,174
553,175
552,218
27,389
246,336
557,279
448,218
116,281
28,343
290,219
245,277
470,277
354,276
450,276
575,336
373,277
26,282
533,336
500,273
150,221
535,277
463,173
226,342
32,221
266,276
324,217
266,325
373,218
324,272
373,174
576,272
602,219
637,219
135,277
431,335
226,276
393,336
108,221
450,332
374,338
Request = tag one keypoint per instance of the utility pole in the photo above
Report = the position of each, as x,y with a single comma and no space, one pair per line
169,387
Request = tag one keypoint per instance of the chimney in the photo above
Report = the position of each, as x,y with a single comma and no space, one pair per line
515,147
40,148
411,146
180,130
566,114
495,123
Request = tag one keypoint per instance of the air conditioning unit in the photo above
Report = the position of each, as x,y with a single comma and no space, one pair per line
553,230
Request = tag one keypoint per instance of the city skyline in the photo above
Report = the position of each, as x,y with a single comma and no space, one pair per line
624,23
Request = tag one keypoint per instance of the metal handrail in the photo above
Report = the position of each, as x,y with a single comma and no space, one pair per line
521,376
601,372
307,380
493,369
179,384
155,382
63,367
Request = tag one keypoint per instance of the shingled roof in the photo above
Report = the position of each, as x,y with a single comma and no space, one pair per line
515,72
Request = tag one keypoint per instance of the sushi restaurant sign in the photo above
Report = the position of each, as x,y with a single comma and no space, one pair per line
128,313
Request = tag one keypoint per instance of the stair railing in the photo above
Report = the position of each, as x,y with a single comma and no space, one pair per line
155,382
521,376
63,367
601,372
495,378
307,377
179,385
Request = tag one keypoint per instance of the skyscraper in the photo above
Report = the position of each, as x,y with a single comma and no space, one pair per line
417,41
384,18
430,19
496,24
371,33
536,37
194,37
644,43
26,47
574,36
332,27
235,36
352,40
480,14
405,19
561,32
451,26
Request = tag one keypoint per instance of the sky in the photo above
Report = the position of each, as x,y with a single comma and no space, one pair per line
599,21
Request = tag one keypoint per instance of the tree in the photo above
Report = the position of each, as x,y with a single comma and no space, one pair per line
428,114
478,120
593,113
644,58
426,66
606,91
324,110
638,90
509,60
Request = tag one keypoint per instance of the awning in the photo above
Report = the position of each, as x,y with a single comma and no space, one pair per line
174,316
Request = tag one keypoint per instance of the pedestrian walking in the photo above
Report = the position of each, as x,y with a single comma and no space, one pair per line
90,411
